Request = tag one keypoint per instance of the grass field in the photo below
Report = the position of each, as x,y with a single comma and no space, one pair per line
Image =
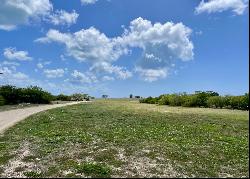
123,138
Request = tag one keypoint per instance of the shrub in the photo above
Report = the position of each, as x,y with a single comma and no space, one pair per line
63,97
216,101
149,100
78,97
10,93
32,94
164,100
2,101
191,101
201,99
175,100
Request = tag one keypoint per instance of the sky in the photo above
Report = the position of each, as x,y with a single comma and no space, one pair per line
122,47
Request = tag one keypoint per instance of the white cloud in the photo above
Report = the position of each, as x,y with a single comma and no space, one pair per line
20,76
54,73
23,12
11,76
162,44
63,18
62,57
12,54
151,75
174,37
86,2
151,56
7,27
41,64
199,32
86,45
81,78
108,78
119,72
17,12
212,6
11,63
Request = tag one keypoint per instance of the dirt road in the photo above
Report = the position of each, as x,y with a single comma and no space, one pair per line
11,117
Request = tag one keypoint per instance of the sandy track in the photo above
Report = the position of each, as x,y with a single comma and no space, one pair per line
11,117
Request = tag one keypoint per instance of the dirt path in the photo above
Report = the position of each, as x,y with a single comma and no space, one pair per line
11,117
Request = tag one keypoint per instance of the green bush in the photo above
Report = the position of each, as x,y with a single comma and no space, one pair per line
2,101
164,100
216,101
32,94
78,97
149,100
191,101
176,100
63,97
201,99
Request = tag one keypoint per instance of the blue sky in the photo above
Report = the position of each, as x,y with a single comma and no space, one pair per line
119,47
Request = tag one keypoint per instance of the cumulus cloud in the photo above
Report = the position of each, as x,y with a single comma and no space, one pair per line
161,44
108,78
23,12
12,54
11,76
212,6
54,73
86,44
119,72
86,2
81,78
174,37
63,18
7,27
151,75
10,63
16,12
41,64
90,46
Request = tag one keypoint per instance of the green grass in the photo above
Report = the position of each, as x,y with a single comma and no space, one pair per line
32,174
123,138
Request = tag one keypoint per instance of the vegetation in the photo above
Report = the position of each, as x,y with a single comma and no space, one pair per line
201,99
125,138
2,101
10,95
32,94
63,97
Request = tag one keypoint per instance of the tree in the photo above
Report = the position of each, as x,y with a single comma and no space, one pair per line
63,97
104,96
2,101
216,101
78,97
32,94
130,96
